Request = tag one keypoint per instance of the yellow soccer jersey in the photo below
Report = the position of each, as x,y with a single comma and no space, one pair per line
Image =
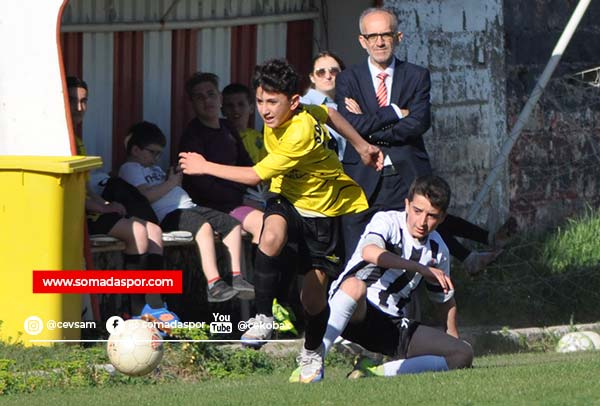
304,170
254,144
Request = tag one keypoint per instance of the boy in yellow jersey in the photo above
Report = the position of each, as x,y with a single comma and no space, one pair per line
301,225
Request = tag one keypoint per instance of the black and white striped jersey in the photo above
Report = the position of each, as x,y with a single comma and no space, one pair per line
389,289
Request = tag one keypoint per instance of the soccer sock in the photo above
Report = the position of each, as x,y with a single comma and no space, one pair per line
315,328
415,365
266,277
342,308
135,262
155,261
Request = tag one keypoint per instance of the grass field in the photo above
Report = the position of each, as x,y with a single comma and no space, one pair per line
543,378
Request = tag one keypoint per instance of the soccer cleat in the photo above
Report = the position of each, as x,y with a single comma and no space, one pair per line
260,329
365,367
162,317
243,287
220,292
285,318
310,366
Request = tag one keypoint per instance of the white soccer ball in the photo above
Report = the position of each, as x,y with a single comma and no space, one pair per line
579,341
135,348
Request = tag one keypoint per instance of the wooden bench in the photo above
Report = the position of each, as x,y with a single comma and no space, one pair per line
180,252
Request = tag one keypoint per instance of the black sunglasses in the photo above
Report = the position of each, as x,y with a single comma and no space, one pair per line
332,71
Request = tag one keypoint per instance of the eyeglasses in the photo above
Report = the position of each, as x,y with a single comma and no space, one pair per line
154,153
333,71
372,38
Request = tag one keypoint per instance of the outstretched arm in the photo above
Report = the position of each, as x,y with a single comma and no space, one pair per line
195,164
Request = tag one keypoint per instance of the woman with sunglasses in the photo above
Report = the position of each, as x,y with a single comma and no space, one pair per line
325,67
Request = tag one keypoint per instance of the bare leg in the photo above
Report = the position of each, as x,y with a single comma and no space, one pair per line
208,256
133,233
233,242
253,224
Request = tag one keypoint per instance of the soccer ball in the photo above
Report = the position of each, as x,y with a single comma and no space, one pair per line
135,348
579,341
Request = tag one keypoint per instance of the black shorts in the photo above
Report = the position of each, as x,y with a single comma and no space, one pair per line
379,332
193,218
313,241
103,223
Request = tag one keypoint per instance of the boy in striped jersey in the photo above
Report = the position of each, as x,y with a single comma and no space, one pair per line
397,250
301,224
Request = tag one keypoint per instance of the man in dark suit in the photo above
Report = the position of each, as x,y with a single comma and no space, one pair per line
387,101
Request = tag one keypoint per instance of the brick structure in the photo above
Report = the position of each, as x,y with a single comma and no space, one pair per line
485,57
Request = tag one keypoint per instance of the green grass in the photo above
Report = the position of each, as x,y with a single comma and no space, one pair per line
576,244
547,378
539,280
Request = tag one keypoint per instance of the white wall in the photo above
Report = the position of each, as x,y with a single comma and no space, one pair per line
33,119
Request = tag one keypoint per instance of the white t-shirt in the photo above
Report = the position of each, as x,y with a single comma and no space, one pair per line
137,174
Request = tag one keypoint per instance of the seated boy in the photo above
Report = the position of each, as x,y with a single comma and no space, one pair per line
176,211
238,105
397,250
143,239
219,141
301,224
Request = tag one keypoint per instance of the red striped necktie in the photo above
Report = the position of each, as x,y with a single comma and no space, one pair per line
382,90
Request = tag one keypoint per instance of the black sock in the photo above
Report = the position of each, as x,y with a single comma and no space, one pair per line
266,277
315,328
155,261
133,261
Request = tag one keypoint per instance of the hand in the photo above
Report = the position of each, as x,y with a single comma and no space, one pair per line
372,156
114,207
438,277
192,163
405,112
353,107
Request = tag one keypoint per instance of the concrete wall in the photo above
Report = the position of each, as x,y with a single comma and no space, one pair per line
555,165
462,44
342,28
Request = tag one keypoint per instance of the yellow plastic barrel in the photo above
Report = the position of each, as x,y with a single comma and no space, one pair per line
41,228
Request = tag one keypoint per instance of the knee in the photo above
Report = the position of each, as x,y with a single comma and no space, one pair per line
139,232
154,231
205,231
270,243
462,357
355,288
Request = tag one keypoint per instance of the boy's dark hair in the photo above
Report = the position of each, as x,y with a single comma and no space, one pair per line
434,188
238,88
143,134
74,82
276,76
200,77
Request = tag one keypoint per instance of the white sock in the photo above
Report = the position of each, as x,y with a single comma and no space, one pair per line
424,363
342,308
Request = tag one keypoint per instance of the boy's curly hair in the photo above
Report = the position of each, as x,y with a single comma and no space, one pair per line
276,76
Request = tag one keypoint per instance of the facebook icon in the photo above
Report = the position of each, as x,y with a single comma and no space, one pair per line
112,323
